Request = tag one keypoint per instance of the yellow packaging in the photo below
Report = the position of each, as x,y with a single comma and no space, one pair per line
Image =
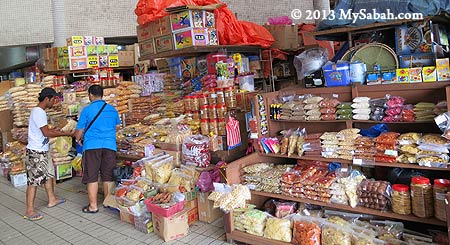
113,61
443,70
75,41
429,74
415,75
92,61
402,75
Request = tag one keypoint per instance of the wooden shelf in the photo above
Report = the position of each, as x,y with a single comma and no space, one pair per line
343,161
391,215
90,70
128,157
352,121
196,50
252,239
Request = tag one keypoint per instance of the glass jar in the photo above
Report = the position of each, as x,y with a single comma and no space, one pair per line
401,199
422,197
213,126
440,189
221,111
221,127
230,97
220,95
212,97
212,111
204,111
203,99
195,105
187,103
196,115
204,126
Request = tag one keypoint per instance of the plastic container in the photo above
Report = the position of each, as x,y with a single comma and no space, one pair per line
212,97
188,103
204,111
203,99
220,95
422,197
165,212
230,97
337,74
401,199
204,126
221,111
358,72
214,126
195,105
221,127
247,83
440,188
195,115
212,111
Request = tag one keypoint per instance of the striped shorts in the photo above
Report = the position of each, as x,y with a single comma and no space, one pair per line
39,167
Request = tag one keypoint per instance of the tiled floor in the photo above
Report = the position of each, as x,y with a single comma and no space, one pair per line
66,224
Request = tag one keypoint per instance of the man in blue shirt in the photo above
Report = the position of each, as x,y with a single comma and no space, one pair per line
99,144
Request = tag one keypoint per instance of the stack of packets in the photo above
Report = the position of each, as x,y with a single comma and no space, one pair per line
20,111
312,108
140,108
433,151
408,148
329,145
377,108
127,90
394,107
110,95
386,146
346,143
440,108
60,146
364,149
361,108
4,103
312,145
295,110
424,111
47,82
252,221
344,111
328,109
20,134
264,176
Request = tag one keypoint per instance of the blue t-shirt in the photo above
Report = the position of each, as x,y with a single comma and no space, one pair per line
102,133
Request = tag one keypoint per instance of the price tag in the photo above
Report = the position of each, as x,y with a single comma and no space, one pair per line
358,162
440,119
391,153
251,187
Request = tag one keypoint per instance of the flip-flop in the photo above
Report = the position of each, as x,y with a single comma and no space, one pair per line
87,211
34,217
61,201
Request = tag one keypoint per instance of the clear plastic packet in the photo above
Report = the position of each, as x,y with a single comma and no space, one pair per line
284,209
361,111
361,100
293,139
313,100
437,161
306,230
360,106
344,117
344,111
388,229
145,184
180,178
381,102
433,148
329,103
433,139
278,229
328,110
301,143
394,101
149,162
344,105
162,170
314,112
409,138
361,116
407,158
389,138
195,149
308,107
334,234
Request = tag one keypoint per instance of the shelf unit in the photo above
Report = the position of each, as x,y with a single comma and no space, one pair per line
413,93
90,70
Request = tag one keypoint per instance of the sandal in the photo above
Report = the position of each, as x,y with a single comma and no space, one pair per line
88,211
61,201
34,217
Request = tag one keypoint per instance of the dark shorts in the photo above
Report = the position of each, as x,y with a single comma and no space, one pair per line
39,167
98,160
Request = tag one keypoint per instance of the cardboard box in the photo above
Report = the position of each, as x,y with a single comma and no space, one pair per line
402,75
99,41
144,32
147,47
18,180
162,27
415,75
75,41
164,43
192,203
63,171
416,60
173,227
403,41
286,36
78,63
63,63
191,37
126,58
429,74
5,86
113,60
102,50
103,61
77,51
88,40
443,69
315,80
162,65
205,208
92,61
337,74
187,19
6,124
112,49
63,51
192,215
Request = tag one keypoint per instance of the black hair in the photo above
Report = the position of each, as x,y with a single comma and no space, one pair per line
42,98
96,90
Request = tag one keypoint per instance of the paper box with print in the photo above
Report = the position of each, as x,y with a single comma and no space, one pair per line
442,68
415,75
429,74
78,63
192,37
403,75
75,41
187,19
163,43
77,51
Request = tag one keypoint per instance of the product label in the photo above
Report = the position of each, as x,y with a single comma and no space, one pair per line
440,196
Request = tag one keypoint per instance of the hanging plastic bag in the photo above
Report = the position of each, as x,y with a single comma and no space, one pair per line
63,144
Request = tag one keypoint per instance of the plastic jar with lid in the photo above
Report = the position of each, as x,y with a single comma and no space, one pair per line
422,197
195,115
187,103
204,126
204,111
401,199
230,97
220,95
212,97
440,188
203,99
221,127
212,111
213,126
221,111
195,105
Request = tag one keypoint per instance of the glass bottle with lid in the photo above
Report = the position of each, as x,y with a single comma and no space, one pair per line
422,197
440,189
401,199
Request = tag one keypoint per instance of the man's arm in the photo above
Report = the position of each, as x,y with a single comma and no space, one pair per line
50,133
78,134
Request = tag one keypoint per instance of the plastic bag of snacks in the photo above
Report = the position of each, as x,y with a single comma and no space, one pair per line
284,209
196,150
334,234
306,230
278,229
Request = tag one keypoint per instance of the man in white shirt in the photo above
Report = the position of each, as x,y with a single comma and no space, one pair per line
40,169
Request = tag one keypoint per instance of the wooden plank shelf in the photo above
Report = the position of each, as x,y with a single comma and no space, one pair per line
197,50
362,210
252,239
343,161
90,70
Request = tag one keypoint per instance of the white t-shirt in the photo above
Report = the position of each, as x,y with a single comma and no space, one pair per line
36,139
